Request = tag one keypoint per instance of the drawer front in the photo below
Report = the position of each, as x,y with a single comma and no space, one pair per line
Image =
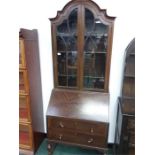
92,140
24,108
60,123
61,135
23,81
79,126
25,136
92,128
77,138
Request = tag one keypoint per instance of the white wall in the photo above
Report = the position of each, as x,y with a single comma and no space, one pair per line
34,15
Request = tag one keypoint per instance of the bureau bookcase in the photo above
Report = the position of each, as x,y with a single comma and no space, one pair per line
77,113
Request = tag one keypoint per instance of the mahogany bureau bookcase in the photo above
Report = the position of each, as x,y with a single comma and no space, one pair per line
30,94
78,110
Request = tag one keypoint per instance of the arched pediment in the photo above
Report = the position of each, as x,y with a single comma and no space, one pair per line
86,3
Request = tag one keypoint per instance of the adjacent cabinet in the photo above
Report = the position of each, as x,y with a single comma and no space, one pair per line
78,110
30,95
125,125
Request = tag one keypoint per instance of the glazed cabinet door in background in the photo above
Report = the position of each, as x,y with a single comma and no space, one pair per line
23,82
25,136
24,108
22,62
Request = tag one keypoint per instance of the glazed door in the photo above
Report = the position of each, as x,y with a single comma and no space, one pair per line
94,51
82,48
67,51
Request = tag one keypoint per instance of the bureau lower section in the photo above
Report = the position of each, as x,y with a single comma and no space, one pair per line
77,132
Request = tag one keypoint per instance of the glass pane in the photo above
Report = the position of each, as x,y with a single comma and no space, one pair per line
21,81
62,80
71,81
73,21
66,43
101,44
90,44
22,102
95,49
71,43
72,72
95,44
100,29
89,21
89,64
100,59
20,52
63,28
24,137
72,59
23,111
61,43
94,64
67,51
61,63
90,82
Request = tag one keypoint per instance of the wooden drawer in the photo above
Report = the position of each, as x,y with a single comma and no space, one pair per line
24,108
54,122
78,126
92,128
23,81
92,140
25,136
69,136
61,134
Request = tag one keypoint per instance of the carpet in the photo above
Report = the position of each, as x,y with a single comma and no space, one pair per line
66,150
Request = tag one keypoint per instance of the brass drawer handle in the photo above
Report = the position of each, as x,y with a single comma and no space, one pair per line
60,137
61,125
90,140
91,130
